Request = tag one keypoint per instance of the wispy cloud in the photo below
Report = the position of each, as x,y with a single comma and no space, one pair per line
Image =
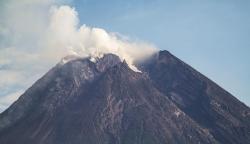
36,34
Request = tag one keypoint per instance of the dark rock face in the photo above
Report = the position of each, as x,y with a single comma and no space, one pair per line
107,103
226,118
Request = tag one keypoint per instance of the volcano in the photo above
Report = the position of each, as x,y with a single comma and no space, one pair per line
81,101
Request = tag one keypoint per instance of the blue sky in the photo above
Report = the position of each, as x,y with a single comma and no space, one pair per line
212,36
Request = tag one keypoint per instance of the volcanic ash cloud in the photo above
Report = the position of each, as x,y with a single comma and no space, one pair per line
65,37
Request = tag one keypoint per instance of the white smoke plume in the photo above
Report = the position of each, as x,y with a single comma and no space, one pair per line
37,34
65,37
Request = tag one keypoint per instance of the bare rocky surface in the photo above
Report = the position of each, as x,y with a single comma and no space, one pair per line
105,102
226,118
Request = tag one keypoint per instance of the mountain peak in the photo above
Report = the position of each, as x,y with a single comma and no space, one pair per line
108,60
105,101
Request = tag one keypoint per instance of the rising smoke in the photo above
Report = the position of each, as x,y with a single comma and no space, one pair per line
37,34
65,36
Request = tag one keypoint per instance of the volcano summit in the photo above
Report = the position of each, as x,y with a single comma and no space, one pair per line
81,101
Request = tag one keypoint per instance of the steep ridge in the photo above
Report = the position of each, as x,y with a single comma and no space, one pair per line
97,103
103,101
204,101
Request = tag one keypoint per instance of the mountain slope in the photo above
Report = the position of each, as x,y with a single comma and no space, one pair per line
204,101
105,102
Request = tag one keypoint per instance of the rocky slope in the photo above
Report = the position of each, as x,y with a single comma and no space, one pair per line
105,102
226,118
